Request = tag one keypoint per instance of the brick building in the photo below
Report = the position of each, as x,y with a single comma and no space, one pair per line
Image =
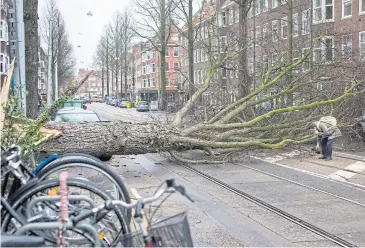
144,79
93,85
4,39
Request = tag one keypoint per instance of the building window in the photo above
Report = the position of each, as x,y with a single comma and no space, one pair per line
224,73
176,66
176,51
153,68
257,7
265,5
230,16
295,25
167,66
362,45
323,50
198,77
195,52
237,14
275,30
167,52
148,83
347,46
257,35
144,83
346,8
284,27
306,22
144,70
250,38
223,44
323,10
223,18
362,6
265,34
274,3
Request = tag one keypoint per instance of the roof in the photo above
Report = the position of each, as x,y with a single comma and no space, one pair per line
206,12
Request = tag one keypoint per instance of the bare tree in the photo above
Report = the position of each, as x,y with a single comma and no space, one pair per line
154,23
54,33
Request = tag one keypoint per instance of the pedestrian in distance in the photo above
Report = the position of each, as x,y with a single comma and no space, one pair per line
326,133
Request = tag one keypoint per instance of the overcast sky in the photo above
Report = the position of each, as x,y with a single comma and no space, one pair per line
75,14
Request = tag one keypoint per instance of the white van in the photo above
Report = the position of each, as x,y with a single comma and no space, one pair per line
154,105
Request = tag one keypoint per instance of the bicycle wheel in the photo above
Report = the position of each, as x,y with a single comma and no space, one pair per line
29,191
92,169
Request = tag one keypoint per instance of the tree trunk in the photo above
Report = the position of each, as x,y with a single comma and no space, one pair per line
162,30
245,80
110,138
31,56
107,67
191,49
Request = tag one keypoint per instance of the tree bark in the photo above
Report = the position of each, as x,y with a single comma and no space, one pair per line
31,56
111,138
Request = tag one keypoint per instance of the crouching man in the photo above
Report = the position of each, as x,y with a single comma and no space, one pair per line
327,134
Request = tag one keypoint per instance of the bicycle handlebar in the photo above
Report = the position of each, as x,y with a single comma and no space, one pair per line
167,186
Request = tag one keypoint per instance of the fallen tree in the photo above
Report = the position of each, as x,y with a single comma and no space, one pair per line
245,123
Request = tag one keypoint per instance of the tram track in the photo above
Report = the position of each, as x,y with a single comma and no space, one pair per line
300,222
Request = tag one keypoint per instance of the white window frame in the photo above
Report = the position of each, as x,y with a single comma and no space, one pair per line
167,52
295,25
257,9
265,5
362,51
274,3
237,13
177,49
230,16
323,6
284,23
343,8
345,45
306,21
176,67
265,34
275,35
323,50
223,19
148,82
361,6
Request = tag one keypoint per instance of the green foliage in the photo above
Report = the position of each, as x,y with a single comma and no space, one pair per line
24,132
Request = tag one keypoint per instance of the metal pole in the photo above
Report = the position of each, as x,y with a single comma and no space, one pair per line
49,81
21,53
56,81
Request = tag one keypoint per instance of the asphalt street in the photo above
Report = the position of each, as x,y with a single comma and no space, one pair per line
329,196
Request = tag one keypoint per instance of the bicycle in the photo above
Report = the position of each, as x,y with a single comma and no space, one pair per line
171,232
76,163
14,161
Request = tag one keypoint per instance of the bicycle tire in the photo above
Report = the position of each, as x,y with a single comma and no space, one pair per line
29,190
69,161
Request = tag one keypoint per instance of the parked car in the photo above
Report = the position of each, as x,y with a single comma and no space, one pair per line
123,103
74,103
154,105
87,100
143,106
113,102
75,115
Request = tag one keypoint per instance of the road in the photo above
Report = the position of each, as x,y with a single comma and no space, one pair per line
252,201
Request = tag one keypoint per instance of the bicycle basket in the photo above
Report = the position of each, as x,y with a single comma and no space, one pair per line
171,232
